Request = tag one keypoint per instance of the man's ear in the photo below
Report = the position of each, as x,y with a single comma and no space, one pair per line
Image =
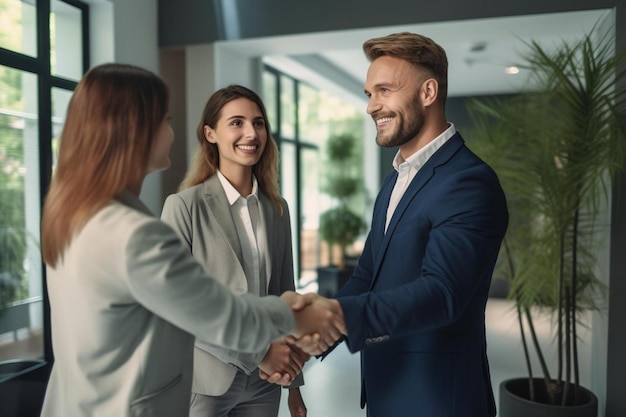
209,134
429,91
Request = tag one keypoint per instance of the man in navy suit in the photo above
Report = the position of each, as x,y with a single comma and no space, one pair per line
415,305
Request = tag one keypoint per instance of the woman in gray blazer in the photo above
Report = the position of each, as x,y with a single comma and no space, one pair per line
230,214
126,297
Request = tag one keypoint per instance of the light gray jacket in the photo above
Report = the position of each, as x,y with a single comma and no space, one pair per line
201,215
126,302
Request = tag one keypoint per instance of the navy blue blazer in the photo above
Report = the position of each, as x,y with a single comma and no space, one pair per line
415,305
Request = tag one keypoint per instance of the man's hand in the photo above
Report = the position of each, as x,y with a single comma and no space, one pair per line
318,317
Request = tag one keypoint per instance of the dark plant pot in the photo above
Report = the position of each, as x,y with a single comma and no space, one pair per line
14,368
330,279
514,402
22,387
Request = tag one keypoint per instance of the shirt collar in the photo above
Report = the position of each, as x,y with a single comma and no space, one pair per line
419,158
232,194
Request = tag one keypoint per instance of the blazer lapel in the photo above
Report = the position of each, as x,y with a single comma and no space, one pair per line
380,239
273,242
215,198
380,215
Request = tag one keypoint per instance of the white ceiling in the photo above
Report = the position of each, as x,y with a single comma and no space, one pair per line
335,59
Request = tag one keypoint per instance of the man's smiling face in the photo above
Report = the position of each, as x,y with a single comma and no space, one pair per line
392,86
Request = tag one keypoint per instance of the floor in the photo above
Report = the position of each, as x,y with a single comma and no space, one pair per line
332,387
26,345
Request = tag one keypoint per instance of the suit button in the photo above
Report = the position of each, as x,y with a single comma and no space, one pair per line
377,339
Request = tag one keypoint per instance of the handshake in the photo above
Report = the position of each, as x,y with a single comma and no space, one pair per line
319,324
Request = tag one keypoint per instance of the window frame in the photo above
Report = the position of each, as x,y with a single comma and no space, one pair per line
40,66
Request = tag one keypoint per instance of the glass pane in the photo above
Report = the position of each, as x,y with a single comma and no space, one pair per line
21,312
287,108
18,26
269,98
313,126
60,101
66,41
309,240
335,117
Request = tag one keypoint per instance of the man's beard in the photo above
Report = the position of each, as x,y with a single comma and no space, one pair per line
404,131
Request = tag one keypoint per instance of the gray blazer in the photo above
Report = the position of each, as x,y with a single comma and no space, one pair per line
126,301
201,215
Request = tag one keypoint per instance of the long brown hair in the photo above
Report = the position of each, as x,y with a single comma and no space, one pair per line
104,148
418,50
206,158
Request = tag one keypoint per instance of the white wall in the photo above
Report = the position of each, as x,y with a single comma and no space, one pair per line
126,31
200,73
136,42
102,31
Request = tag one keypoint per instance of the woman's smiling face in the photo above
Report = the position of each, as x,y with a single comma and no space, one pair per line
240,134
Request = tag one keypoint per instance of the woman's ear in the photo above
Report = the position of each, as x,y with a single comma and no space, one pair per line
209,134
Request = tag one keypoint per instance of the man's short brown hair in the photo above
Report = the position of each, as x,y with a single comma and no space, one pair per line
418,50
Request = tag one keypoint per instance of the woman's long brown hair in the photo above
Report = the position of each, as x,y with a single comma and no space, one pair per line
206,159
104,148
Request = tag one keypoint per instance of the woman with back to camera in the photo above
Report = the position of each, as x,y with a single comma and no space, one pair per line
230,214
126,297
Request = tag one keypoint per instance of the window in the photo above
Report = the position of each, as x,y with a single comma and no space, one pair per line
43,50
302,118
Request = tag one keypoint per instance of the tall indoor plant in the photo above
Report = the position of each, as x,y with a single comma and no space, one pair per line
556,151
340,225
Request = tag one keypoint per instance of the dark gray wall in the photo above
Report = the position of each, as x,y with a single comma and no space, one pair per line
187,22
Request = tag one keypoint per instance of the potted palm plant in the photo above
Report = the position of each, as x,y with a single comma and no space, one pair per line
340,225
556,150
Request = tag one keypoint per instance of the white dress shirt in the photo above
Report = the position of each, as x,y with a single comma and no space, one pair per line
250,224
409,167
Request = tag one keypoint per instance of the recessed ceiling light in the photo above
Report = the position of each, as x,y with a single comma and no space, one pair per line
512,70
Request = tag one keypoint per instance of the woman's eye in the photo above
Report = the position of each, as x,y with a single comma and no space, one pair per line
236,123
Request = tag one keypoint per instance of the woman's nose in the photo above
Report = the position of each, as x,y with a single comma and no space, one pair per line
249,131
